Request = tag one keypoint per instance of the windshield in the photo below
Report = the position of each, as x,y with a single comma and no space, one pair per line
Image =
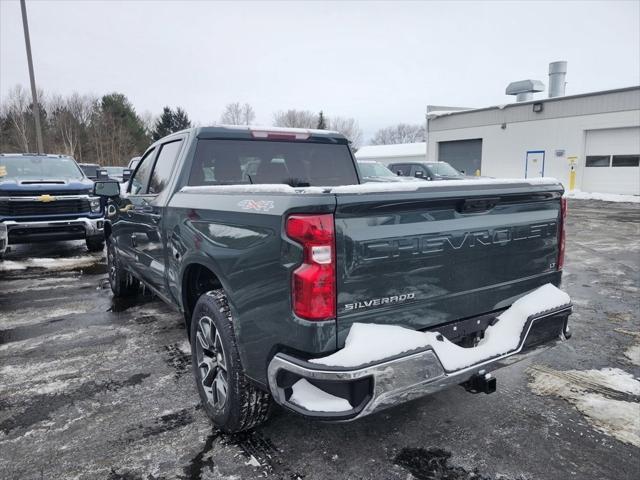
443,169
374,169
38,168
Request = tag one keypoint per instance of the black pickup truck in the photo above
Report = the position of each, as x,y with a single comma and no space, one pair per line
300,284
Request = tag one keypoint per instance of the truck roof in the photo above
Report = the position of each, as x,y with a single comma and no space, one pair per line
266,132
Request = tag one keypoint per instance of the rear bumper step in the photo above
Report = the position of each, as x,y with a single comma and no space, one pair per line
396,380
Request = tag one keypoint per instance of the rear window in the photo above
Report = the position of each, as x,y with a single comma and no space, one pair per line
298,164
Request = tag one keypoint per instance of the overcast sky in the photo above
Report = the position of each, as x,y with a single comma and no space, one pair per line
378,62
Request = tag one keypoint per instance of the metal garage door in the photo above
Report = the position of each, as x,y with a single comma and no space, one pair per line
612,161
464,155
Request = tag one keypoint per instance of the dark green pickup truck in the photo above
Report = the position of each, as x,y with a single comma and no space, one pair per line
333,298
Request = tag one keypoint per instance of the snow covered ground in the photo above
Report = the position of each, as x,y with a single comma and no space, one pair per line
605,197
68,263
593,393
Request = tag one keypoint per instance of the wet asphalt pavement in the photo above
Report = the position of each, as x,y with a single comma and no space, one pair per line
92,388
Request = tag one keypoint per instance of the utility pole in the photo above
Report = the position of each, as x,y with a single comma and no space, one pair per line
32,79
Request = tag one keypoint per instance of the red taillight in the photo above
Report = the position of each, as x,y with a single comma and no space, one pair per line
314,282
562,233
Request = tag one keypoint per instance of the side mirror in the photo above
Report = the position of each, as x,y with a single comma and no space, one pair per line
126,175
419,174
106,189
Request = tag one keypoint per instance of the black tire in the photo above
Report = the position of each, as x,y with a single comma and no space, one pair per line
122,282
95,244
244,406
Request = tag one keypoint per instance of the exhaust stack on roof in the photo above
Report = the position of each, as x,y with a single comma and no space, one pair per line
557,77
524,89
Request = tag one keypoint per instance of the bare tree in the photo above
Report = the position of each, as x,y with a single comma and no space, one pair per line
69,119
401,133
17,109
295,119
348,127
149,121
238,114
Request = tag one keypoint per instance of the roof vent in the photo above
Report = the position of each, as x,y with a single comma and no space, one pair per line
557,78
524,89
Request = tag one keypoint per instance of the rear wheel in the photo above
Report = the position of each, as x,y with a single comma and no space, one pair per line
122,282
231,402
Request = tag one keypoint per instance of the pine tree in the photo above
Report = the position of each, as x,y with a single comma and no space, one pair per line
180,120
164,124
322,124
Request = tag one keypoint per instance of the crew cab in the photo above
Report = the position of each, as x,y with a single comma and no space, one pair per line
47,198
301,285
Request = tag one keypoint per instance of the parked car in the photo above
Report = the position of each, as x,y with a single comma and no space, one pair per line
48,197
133,163
372,171
429,171
90,170
274,272
119,174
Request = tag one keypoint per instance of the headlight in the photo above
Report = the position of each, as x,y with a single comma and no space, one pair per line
95,204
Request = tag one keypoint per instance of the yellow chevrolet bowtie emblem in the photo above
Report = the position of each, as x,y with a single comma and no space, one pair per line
47,198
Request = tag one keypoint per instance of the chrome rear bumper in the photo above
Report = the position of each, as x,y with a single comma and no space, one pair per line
399,379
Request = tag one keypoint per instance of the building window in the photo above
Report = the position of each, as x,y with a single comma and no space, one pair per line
625,161
598,161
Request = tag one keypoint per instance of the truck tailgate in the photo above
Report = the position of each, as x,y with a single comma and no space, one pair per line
439,254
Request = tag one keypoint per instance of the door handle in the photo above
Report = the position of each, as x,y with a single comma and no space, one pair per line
134,242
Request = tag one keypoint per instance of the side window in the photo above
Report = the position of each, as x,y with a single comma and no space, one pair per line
422,170
141,175
598,161
164,166
404,169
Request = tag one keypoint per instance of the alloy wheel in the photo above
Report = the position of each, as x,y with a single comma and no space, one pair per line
212,362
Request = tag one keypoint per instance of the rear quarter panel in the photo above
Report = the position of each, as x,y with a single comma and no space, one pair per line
240,238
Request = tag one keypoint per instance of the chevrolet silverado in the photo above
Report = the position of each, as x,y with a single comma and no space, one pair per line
302,285
47,198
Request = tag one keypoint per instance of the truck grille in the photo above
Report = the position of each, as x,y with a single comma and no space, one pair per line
30,208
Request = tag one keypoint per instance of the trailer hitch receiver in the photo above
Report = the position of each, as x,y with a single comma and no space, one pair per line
481,383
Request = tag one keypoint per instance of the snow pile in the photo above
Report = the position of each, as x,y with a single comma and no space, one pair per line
368,343
366,187
313,399
605,197
589,392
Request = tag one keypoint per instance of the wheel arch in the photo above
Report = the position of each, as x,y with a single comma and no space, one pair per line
197,278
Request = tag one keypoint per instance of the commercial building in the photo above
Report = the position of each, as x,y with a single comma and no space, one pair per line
590,142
